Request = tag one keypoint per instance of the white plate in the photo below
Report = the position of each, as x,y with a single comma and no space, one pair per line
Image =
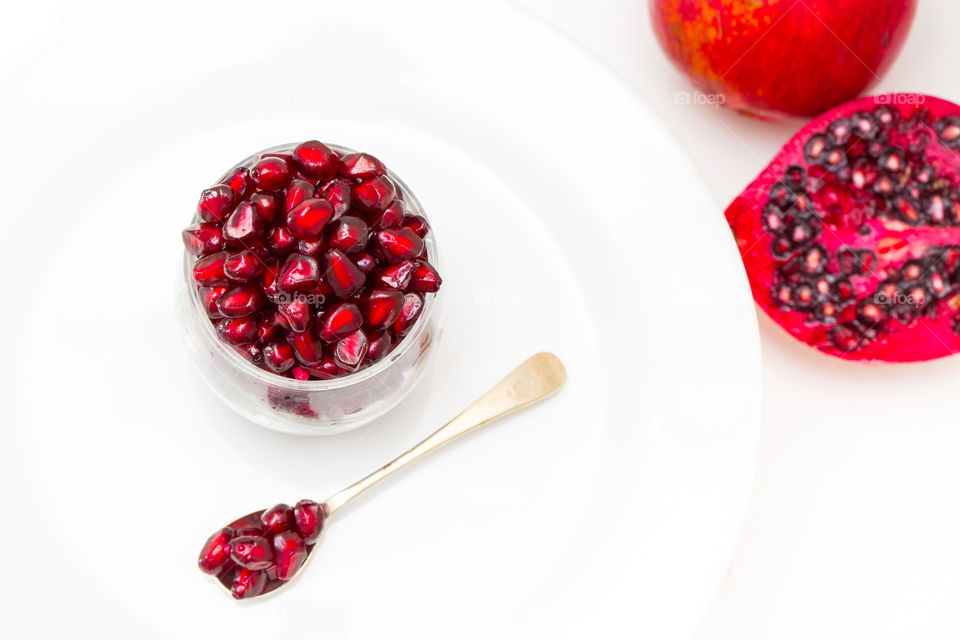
568,220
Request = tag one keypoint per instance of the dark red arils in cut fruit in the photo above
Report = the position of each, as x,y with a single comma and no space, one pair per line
409,312
391,217
365,262
244,226
251,552
374,194
399,244
361,166
202,239
280,241
339,320
416,224
238,330
339,193
209,297
248,584
326,370
306,348
267,205
290,552
307,219
341,274
312,249
316,160
208,271
351,350
425,278
299,273
379,343
240,183
298,191
381,307
279,356
349,235
309,516
277,519
298,313
216,203
215,554
243,265
398,276
241,301
270,173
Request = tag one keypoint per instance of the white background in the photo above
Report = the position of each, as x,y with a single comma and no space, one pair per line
853,530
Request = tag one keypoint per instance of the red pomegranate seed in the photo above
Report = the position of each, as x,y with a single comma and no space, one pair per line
398,276
342,275
400,244
252,353
298,313
277,519
216,203
241,301
299,273
202,239
339,320
272,326
309,516
209,296
243,266
244,226
326,370
248,584
208,271
239,182
268,206
409,312
307,219
338,192
316,160
280,241
351,350
290,552
312,249
251,552
268,279
270,173
238,330
306,348
215,554
299,373
379,345
361,166
365,262
374,194
349,235
279,356
416,224
298,191
391,218
381,307
425,278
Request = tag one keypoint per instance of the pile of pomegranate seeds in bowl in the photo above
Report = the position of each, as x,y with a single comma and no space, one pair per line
313,263
259,552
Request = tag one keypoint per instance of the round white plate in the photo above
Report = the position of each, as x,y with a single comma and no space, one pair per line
568,220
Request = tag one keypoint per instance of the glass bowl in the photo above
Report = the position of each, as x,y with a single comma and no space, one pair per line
309,407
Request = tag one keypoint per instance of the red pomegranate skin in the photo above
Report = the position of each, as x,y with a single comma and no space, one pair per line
776,58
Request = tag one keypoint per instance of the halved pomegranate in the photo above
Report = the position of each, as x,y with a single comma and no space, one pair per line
851,236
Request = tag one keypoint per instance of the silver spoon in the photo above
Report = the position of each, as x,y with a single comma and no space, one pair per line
537,378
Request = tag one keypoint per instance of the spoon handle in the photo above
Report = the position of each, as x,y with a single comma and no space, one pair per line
538,377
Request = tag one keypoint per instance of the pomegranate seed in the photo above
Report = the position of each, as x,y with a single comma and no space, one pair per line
215,554
326,370
208,271
400,244
392,217
268,279
244,226
238,330
267,205
299,373
243,266
290,552
280,241
209,297
312,249
279,356
398,276
417,224
241,301
252,353
316,160
350,235
299,273
409,312
365,262
298,313
216,203
298,191
307,219
309,516
361,166
351,350
338,192
379,345
202,239
272,326
251,552
306,348
381,307
277,519
239,182
425,278
270,173
248,584
374,194
343,276
339,320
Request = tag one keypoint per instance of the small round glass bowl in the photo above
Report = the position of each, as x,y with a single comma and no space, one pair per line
309,407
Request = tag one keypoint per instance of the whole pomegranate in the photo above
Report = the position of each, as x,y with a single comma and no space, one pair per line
774,58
